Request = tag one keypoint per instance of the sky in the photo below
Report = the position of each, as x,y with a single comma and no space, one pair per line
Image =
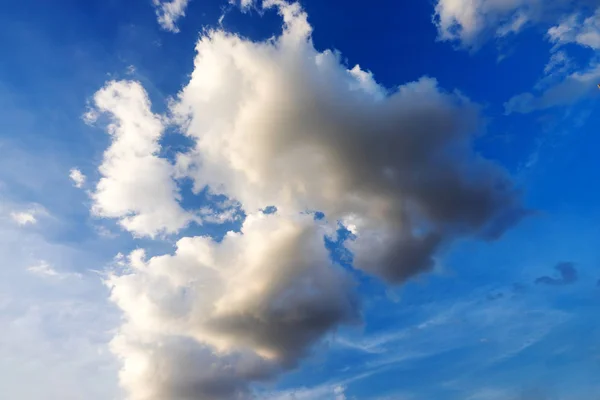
232,200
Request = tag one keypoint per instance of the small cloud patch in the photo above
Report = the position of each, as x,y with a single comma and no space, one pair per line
44,270
77,177
23,218
567,272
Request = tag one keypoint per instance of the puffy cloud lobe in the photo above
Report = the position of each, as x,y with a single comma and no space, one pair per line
136,185
279,123
168,12
213,317
179,368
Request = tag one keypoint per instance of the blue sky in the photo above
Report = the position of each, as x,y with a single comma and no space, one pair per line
450,146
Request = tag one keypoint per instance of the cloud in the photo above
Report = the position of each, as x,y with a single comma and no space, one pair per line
45,270
136,185
486,334
29,216
559,64
168,12
579,30
250,305
340,393
53,325
559,87
575,87
472,22
23,218
568,275
327,391
77,177
279,125
219,212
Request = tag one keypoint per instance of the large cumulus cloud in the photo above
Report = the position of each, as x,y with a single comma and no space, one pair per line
243,308
278,123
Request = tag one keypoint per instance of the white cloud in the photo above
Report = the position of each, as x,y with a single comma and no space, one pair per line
574,87
472,22
168,12
328,391
340,392
29,215
221,211
251,305
136,184
77,177
559,62
23,218
52,327
278,123
579,30
467,21
45,270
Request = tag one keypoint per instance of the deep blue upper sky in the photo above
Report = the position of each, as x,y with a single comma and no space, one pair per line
477,327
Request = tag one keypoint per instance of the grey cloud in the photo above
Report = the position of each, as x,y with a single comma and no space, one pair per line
307,133
567,272
181,369
221,316
304,301
278,123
